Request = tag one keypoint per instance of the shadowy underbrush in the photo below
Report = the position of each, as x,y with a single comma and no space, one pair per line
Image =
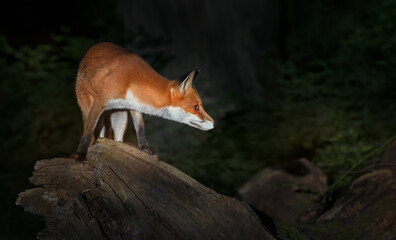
334,103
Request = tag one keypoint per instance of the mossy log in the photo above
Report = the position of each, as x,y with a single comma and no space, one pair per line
121,192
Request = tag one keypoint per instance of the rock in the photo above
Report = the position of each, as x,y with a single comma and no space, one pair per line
370,205
282,194
121,192
390,154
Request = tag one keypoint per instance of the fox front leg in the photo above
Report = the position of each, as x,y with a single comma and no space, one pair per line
140,134
103,127
119,122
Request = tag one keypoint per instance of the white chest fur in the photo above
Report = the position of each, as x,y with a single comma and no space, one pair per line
131,102
171,113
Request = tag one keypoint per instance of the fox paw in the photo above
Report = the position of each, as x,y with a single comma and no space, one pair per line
80,157
147,149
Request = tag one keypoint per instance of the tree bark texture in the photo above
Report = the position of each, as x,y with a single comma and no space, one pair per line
121,192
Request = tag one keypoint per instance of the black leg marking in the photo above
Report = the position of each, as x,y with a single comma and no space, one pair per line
82,148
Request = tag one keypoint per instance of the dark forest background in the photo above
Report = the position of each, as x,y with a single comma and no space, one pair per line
283,80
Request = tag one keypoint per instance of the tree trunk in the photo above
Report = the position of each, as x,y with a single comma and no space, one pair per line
228,39
121,192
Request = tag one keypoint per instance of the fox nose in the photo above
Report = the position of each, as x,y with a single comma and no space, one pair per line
214,124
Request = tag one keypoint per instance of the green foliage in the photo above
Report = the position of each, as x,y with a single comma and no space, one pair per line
38,97
40,117
344,51
289,231
352,229
338,77
334,102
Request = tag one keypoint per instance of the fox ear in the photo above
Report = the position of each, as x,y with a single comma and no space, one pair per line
188,79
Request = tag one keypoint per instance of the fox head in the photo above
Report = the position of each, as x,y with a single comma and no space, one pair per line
186,105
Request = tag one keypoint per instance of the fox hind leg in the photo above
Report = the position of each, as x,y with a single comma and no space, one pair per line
85,101
88,137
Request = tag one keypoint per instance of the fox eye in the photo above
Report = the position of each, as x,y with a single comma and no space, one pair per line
196,107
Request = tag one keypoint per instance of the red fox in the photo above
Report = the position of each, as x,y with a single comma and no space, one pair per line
111,81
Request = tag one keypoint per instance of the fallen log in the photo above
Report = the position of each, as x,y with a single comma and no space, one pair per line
121,192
